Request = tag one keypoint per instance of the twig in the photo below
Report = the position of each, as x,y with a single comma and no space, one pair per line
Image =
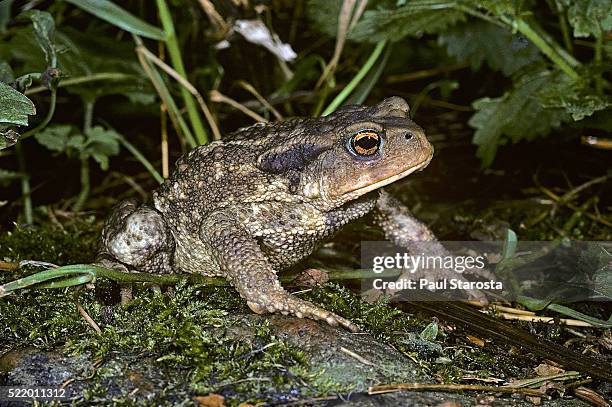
186,85
89,319
9,266
219,97
247,86
344,24
163,118
214,17
158,83
510,310
356,356
389,388
357,79
535,318
570,194
573,207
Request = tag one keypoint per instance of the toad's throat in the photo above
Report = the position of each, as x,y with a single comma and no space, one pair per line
386,181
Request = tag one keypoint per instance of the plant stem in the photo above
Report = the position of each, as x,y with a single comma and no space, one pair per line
102,76
524,28
598,59
162,90
85,184
26,190
177,62
357,79
85,187
567,41
143,160
46,120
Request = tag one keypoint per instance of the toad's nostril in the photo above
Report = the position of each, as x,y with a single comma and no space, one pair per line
409,136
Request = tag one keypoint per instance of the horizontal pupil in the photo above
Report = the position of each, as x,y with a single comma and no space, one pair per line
367,142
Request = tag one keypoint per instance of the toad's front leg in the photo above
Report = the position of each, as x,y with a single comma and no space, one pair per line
244,264
405,231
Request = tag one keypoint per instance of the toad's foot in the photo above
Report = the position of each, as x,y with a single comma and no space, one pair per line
285,303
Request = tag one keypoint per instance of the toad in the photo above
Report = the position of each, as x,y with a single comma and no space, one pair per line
267,196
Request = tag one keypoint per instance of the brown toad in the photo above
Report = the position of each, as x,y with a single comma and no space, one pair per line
268,195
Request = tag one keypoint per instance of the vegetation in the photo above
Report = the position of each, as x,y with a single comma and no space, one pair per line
554,55
98,99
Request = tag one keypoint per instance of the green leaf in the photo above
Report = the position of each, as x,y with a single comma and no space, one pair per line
590,17
510,244
55,137
141,98
515,116
575,97
479,41
579,106
430,333
44,31
16,107
112,13
7,176
101,144
383,21
5,14
6,73
8,137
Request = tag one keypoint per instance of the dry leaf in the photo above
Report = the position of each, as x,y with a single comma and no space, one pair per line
212,400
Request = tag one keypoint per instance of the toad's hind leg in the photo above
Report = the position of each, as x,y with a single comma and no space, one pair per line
245,266
136,237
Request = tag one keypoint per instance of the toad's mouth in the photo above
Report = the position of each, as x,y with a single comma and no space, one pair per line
357,192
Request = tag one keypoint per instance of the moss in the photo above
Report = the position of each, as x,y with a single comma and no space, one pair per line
216,352
73,243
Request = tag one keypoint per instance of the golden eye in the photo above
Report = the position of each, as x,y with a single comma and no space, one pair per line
366,142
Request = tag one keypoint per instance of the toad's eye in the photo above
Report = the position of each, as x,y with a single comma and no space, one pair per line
365,143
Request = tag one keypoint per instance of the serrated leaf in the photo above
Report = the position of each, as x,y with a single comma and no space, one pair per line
16,107
414,19
579,107
324,15
574,97
117,16
479,41
497,7
515,116
55,137
44,31
382,21
101,144
590,17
